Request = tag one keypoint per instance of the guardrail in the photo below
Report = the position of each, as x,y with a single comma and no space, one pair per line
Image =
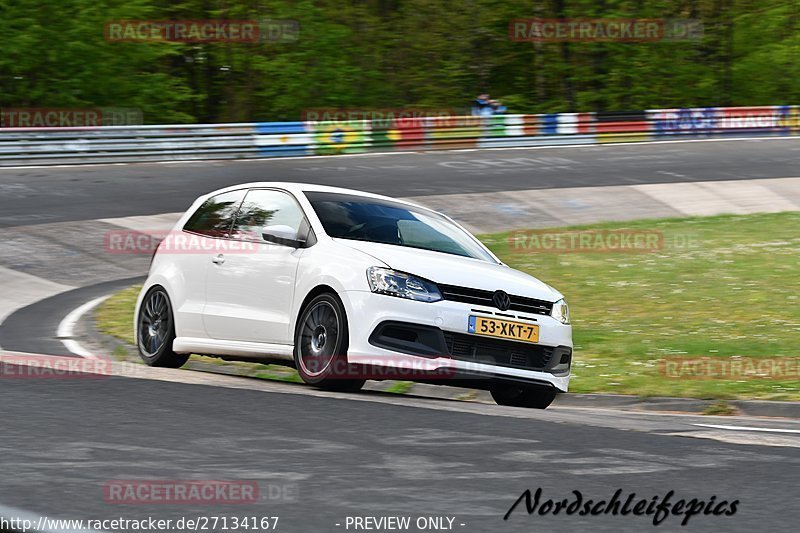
32,146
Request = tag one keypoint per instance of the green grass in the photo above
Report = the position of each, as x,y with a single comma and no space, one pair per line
115,316
279,373
719,408
731,291
721,287
400,387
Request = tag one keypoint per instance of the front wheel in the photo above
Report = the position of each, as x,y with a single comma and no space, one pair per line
536,397
156,331
320,346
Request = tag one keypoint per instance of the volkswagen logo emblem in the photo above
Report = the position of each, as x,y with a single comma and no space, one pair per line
501,300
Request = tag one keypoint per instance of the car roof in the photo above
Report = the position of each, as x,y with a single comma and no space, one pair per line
299,188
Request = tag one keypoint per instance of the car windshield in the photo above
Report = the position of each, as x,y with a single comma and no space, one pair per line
360,218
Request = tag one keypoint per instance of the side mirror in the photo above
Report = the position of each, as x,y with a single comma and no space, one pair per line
283,235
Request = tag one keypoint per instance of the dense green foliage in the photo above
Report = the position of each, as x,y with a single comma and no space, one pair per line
390,54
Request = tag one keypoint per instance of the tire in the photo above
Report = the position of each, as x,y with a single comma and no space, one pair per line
320,345
523,396
156,331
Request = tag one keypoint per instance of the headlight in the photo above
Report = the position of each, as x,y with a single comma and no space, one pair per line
393,283
561,311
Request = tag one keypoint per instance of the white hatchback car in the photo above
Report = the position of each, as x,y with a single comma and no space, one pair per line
347,286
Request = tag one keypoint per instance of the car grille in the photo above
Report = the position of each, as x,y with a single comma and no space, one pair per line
513,354
481,297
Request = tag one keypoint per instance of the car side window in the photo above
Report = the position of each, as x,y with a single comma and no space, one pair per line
215,216
265,208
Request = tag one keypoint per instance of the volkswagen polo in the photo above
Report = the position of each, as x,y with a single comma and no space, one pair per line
347,286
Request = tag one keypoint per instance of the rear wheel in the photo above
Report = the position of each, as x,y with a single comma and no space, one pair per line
156,331
523,396
320,346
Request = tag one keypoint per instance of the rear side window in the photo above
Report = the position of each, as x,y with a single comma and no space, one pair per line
267,208
215,217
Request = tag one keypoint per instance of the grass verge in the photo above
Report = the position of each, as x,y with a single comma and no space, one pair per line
720,288
115,316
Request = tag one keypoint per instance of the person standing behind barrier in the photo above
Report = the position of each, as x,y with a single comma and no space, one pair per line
497,108
480,105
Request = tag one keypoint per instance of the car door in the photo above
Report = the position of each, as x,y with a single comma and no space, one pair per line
190,253
250,287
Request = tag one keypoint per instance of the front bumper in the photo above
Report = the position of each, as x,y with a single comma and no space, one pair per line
367,311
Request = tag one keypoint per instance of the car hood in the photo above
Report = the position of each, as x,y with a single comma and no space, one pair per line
451,269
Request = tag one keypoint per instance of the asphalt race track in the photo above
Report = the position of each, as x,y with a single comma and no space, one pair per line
63,440
40,195
328,456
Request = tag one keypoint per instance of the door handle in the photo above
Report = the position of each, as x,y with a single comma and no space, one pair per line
218,259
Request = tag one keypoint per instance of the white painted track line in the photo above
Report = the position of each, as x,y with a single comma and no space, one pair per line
37,523
66,329
748,428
